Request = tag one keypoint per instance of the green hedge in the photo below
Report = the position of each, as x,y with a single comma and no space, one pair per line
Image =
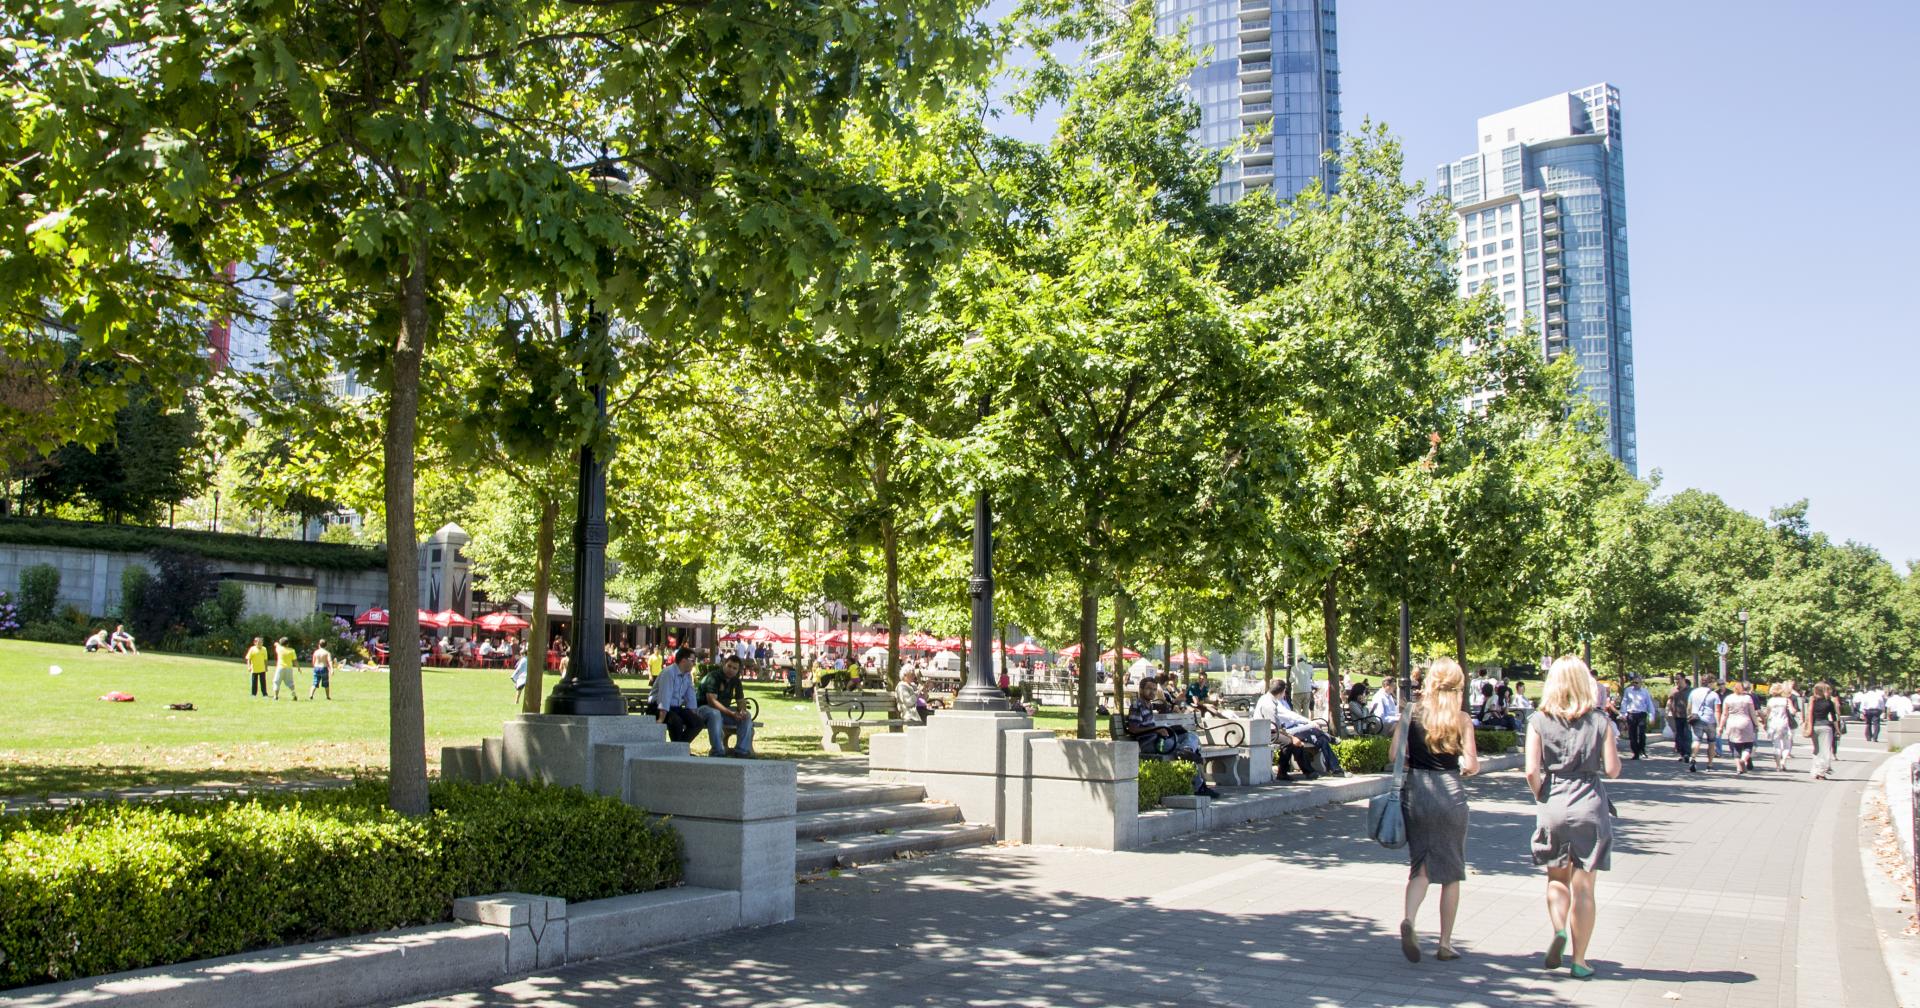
1493,741
119,886
212,545
1160,778
1364,755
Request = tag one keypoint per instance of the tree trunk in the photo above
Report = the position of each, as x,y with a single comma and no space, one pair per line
1186,669
799,649
1267,675
1003,655
1460,635
1088,697
1330,620
406,720
1119,655
542,584
890,554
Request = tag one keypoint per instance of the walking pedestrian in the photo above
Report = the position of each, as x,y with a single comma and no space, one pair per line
1440,750
257,669
1797,706
1677,714
1780,724
1703,716
1570,744
1637,703
1823,727
1873,708
1739,727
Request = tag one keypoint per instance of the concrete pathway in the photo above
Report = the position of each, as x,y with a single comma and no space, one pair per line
1725,891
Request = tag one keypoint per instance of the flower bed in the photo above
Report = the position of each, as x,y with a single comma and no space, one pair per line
119,886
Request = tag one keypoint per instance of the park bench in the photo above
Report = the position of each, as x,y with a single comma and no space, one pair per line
845,715
1224,751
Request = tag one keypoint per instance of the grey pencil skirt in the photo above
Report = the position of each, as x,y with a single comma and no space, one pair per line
1435,805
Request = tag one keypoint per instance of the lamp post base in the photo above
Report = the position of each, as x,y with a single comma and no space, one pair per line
597,697
978,697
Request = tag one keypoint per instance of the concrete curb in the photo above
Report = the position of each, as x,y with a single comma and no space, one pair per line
519,934
1242,805
1892,782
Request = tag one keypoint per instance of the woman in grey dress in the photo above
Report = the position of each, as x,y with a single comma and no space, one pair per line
1440,750
1570,745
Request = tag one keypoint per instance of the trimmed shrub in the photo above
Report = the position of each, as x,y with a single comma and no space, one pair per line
1160,778
1493,741
39,593
119,886
211,545
1364,755
9,616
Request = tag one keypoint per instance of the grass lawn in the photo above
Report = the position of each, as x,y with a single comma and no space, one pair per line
61,738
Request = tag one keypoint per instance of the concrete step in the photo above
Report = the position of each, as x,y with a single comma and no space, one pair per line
871,819
817,798
841,852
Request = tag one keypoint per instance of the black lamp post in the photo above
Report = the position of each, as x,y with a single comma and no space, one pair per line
1743,647
981,693
587,688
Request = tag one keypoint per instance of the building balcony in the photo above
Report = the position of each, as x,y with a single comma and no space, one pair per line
1554,300
1257,175
1255,70
1257,91
1261,29
1551,248
1556,318
1256,8
1260,48
1255,111
1550,211
1261,153
1551,262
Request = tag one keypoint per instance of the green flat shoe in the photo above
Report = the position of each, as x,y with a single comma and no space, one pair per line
1582,972
1555,948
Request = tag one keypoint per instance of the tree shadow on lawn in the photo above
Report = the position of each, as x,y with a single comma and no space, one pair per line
991,927
26,781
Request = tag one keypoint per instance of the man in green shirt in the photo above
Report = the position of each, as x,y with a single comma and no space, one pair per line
723,707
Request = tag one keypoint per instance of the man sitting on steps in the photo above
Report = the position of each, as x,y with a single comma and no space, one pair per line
674,702
1165,740
724,708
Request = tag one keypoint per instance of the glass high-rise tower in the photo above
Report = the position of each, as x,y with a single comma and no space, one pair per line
1269,68
1542,215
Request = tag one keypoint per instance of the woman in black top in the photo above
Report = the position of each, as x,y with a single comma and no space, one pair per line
1440,750
1823,727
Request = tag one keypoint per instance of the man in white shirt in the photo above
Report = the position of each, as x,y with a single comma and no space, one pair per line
1637,705
1873,709
1386,703
1704,717
674,701
1274,707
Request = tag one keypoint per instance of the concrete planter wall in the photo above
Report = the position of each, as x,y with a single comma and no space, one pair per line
494,938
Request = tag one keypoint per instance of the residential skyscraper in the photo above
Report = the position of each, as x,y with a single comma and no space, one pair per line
1269,67
1542,215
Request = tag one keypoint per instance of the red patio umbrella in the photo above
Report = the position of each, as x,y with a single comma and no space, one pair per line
1190,659
948,644
1026,649
1073,651
737,635
429,618
375,616
832,638
874,638
918,641
501,622
449,618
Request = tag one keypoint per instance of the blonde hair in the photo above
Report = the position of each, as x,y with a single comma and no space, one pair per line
1777,689
1569,692
1438,708
1739,688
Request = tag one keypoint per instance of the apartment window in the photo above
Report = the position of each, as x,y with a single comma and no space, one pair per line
1506,262
1507,297
1473,269
1506,227
1506,243
1473,253
1487,249
1509,134
1508,279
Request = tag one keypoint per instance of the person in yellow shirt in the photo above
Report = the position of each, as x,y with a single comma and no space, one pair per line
257,669
284,659
655,663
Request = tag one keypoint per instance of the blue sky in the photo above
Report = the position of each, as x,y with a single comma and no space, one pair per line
1772,224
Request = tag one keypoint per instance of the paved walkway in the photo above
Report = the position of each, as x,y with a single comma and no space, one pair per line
1725,891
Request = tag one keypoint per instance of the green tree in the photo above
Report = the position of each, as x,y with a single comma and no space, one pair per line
152,459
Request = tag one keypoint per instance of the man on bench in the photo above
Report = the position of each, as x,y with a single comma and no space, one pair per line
1165,740
1303,736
